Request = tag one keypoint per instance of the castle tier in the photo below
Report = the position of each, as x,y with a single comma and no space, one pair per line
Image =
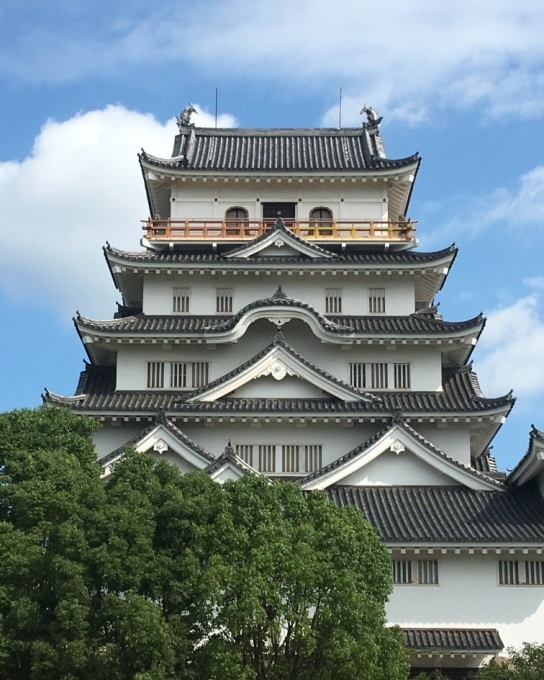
279,320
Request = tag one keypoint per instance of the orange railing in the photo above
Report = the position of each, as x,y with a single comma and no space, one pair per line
196,230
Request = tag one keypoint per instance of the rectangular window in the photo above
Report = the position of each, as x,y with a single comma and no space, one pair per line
378,374
402,376
427,572
184,374
267,458
422,572
223,303
357,375
289,458
376,301
312,457
333,301
180,301
245,452
155,374
521,572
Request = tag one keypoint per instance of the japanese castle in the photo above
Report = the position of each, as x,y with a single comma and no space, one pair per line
280,320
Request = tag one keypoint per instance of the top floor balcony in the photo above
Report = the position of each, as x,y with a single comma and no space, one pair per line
239,230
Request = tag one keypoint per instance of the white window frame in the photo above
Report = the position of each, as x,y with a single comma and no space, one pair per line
415,572
520,572
181,300
333,301
224,297
376,301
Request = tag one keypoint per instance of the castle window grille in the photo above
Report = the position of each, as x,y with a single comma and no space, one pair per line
401,374
267,458
245,452
184,374
181,301
312,457
224,297
155,374
199,373
427,572
402,571
521,572
333,301
357,375
376,301
378,376
509,573
290,458
534,572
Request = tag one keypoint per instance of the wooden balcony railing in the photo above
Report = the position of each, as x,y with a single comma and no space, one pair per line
235,230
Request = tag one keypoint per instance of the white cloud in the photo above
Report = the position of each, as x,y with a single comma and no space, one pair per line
81,186
431,54
511,350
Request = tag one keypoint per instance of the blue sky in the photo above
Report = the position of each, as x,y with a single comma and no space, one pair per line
84,85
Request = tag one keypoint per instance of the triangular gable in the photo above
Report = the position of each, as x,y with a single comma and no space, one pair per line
400,439
163,439
278,360
279,242
228,467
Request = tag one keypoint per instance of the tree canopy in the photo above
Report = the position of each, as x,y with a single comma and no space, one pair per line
526,663
158,575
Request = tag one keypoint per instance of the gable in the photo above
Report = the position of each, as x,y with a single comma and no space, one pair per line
267,387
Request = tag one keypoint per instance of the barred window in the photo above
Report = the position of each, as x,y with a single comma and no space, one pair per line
155,374
245,452
312,457
402,571
422,572
223,300
333,301
401,374
427,571
357,375
181,301
378,372
267,458
521,572
376,301
290,458
184,374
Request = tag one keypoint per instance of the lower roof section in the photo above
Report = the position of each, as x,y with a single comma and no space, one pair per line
407,515
479,640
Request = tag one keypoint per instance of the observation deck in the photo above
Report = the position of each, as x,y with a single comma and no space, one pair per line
195,231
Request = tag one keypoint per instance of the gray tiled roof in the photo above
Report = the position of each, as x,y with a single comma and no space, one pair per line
366,257
442,514
484,640
97,392
414,324
288,150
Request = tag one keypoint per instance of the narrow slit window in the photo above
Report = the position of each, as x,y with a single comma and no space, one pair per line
155,374
402,376
312,457
357,375
267,458
376,301
224,298
333,301
289,457
378,373
245,452
181,301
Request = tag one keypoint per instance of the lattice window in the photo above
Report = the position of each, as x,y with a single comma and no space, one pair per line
333,301
267,458
155,374
427,572
223,300
378,376
401,374
245,452
312,457
521,572
290,458
183,374
181,301
357,375
376,301
402,571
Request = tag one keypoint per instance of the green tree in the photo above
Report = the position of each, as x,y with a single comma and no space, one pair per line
526,663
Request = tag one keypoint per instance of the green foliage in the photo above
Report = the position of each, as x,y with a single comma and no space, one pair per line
526,663
158,575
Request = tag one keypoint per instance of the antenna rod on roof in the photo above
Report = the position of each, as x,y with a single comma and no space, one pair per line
340,109
216,108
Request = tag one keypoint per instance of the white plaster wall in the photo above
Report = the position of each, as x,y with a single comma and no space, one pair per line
309,288
404,469
132,361
109,438
469,596
451,438
347,199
